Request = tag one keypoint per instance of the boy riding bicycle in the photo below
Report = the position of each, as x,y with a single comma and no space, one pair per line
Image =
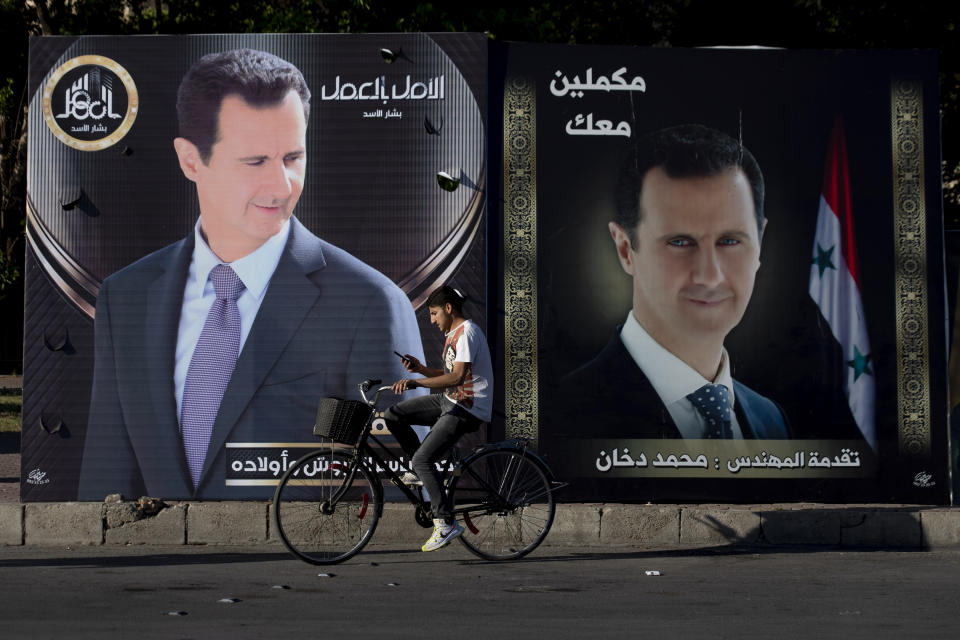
465,404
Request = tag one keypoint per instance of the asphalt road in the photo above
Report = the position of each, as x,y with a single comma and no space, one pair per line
129,592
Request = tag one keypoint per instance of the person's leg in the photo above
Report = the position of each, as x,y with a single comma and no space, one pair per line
446,431
422,410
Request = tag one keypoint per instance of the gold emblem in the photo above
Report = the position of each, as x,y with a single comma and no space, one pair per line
90,103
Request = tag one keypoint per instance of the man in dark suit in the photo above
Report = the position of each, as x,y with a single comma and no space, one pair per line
232,334
610,397
688,230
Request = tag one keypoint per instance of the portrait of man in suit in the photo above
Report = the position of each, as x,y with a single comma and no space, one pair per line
689,224
234,333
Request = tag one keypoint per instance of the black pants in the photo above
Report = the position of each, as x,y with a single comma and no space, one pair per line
449,423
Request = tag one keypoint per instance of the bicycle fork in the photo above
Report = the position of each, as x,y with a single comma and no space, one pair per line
329,506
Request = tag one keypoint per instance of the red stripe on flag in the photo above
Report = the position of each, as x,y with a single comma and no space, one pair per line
836,191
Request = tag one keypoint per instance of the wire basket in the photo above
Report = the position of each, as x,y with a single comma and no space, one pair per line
341,420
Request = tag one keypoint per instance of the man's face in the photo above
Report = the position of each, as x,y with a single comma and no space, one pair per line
254,176
442,317
696,255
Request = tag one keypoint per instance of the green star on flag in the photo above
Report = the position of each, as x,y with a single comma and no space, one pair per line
834,286
860,364
824,259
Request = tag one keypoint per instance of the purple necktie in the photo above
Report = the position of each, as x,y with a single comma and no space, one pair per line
210,368
713,403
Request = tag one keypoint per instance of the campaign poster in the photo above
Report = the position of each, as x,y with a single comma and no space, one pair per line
383,177
666,338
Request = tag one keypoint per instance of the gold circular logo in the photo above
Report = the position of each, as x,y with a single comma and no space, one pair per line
90,103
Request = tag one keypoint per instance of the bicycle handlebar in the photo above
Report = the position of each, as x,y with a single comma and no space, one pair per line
366,385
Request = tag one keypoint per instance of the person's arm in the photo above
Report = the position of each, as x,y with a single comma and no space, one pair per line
453,379
415,366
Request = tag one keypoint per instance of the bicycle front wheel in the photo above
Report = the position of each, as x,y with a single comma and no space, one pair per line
504,499
323,514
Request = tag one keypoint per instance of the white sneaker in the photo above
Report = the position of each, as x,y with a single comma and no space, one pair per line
443,534
411,480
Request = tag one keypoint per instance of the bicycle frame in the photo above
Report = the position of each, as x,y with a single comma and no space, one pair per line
364,450
502,493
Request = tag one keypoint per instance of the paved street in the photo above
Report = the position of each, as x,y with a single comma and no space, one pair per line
560,592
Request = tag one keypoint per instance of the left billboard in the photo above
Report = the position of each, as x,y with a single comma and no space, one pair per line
309,165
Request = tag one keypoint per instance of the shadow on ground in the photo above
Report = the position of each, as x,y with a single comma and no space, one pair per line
155,560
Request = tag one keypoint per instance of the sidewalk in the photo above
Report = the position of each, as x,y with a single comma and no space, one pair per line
642,526
646,526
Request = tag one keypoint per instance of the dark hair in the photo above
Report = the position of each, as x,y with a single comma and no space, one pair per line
683,151
447,295
260,78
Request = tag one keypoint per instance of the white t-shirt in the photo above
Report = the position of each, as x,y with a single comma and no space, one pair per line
467,344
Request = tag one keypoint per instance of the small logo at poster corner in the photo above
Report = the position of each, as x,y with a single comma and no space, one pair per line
90,103
923,480
37,477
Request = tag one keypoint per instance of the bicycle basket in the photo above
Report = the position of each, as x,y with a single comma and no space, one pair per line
341,420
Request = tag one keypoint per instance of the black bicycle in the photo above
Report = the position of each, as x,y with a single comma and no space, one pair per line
328,503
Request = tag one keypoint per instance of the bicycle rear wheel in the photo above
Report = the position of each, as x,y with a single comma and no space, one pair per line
504,499
320,520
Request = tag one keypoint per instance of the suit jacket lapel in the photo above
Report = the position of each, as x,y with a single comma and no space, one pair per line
288,300
755,418
635,401
162,321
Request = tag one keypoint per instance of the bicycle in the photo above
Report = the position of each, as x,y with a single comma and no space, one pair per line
328,503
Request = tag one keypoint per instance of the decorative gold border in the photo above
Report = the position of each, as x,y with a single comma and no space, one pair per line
276,445
520,258
304,482
910,249
133,103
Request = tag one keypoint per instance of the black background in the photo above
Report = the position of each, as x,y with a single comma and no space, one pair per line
783,103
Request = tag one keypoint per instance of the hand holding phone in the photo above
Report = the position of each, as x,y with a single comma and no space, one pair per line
409,362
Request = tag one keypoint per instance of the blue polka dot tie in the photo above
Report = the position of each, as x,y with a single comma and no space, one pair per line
712,401
210,368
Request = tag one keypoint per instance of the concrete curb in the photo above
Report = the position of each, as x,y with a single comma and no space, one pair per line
647,526
11,524
701,526
226,523
63,524
124,526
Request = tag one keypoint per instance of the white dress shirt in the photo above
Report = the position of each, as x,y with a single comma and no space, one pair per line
254,270
673,379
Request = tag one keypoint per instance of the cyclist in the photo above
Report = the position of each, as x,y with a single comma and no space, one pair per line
465,404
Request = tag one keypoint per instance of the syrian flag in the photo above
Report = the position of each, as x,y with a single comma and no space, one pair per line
835,284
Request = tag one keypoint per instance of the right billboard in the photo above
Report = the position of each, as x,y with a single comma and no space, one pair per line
723,272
